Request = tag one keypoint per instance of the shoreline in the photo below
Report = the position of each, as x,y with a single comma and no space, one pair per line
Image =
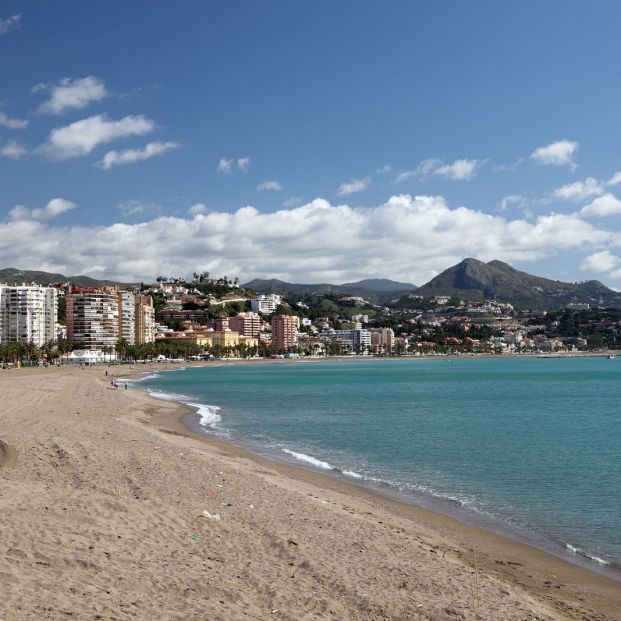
189,421
291,543
467,533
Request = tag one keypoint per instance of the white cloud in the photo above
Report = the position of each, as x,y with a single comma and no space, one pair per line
512,199
13,150
71,94
352,186
197,208
274,186
129,156
228,167
459,170
383,170
12,123
54,208
578,191
426,167
10,23
462,170
606,205
406,238
615,179
559,153
225,166
81,137
602,261
292,201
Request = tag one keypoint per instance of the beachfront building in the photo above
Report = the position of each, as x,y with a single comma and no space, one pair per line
28,314
265,304
284,332
225,337
127,316
356,340
93,318
382,340
101,317
200,339
144,319
247,324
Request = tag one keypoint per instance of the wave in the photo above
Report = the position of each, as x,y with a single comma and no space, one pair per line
309,459
135,380
352,474
399,486
580,552
208,414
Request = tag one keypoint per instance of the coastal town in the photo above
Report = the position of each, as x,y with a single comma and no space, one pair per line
204,317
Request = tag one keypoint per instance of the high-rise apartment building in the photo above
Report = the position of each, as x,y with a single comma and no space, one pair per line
102,317
127,317
247,324
28,314
144,318
93,318
284,332
382,340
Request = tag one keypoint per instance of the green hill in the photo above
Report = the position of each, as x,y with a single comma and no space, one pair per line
475,280
13,276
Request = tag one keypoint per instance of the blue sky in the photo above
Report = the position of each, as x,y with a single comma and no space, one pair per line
311,141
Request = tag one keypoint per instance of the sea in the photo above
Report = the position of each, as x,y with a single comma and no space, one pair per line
527,447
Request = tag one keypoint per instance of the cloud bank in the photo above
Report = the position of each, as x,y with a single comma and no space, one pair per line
406,238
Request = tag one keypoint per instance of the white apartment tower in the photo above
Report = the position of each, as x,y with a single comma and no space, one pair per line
28,314
93,318
127,317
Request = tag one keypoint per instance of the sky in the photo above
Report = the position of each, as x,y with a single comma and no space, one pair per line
310,141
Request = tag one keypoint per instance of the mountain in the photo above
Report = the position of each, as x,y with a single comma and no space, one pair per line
12,276
375,290
476,280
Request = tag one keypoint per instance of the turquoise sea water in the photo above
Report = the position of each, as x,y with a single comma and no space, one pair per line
526,446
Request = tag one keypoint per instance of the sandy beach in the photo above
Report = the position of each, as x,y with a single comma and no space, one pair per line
111,509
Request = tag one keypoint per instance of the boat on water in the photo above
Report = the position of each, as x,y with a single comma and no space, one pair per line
610,356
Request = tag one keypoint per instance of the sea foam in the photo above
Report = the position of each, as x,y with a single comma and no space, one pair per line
208,414
309,459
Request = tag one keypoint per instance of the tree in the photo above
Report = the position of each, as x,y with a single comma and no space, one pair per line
121,348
